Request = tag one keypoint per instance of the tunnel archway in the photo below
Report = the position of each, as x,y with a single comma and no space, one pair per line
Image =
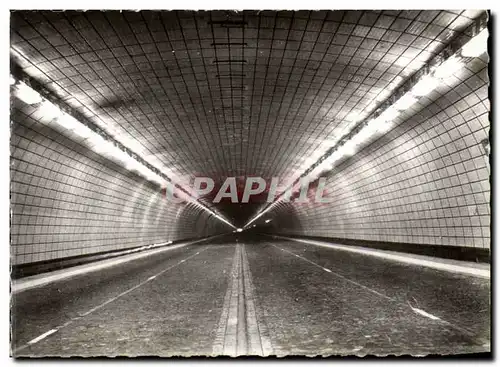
386,111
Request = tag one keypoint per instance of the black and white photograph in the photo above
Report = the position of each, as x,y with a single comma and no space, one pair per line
250,183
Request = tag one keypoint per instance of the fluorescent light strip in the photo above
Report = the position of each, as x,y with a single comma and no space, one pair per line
263,212
53,115
475,47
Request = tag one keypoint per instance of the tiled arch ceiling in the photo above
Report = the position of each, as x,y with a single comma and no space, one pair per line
224,93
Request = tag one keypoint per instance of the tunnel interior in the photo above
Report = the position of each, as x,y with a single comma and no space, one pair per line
386,112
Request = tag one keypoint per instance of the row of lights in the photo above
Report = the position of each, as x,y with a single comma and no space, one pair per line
238,230
53,116
426,85
272,205
475,47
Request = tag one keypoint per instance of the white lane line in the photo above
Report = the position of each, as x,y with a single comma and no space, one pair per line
451,325
40,280
426,314
43,336
338,275
464,269
417,310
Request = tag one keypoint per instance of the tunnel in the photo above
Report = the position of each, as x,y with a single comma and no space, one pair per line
250,183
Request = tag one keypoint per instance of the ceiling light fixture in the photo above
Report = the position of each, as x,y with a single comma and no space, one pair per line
70,123
448,67
348,149
405,102
425,86
26,94
51,114
429,81
477,45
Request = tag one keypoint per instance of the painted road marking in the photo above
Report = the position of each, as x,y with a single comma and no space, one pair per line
417,310
43,336
57,275
456,268
52,331
338,275
426,314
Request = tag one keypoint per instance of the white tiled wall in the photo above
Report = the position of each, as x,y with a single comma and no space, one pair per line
68,201
424,182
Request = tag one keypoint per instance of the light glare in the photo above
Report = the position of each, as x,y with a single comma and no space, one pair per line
95,141
27,95
405,102
425,86
448,68
477,45
49,111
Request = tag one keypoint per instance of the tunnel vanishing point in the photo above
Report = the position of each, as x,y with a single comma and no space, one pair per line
241,118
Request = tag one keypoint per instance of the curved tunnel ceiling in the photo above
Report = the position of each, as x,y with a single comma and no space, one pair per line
223,93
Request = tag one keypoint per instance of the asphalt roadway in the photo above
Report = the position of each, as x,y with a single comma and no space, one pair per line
241,295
